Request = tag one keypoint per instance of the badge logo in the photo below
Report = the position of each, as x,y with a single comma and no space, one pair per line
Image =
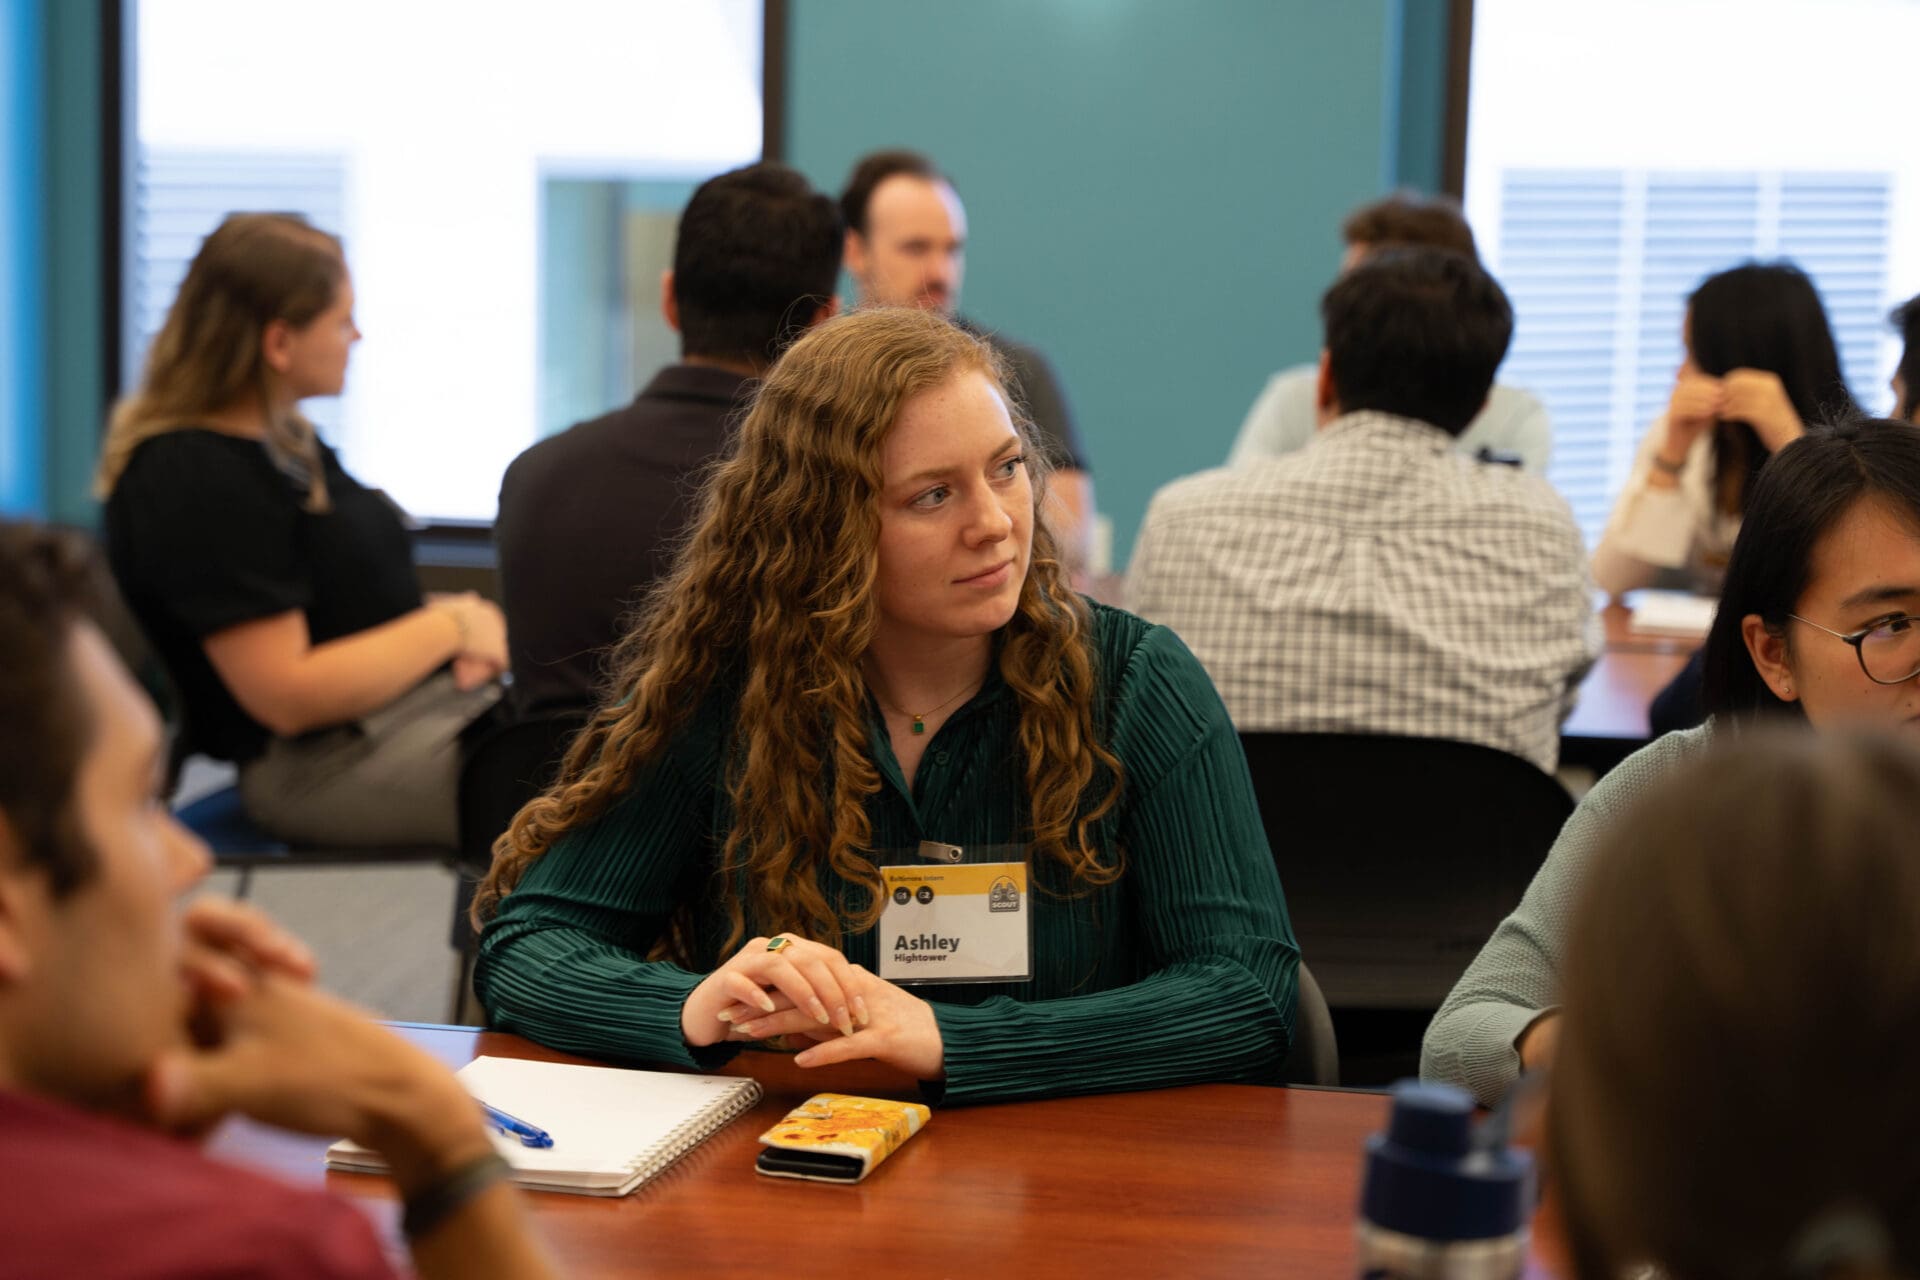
1003,896
924,893
903,895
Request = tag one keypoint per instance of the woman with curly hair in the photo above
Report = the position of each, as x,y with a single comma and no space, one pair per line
868,658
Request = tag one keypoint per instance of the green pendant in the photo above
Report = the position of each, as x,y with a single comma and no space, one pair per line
919,725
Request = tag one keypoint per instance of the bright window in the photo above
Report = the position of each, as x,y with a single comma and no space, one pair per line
499,172
1617,154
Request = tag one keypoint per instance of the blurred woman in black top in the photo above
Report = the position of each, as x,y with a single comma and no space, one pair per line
278,590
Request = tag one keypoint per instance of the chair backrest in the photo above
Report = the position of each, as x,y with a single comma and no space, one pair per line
1399,855
1315,1055
507,764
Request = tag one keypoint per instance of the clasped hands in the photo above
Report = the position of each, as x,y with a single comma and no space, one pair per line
809,989
261,1040
483,629
1743,395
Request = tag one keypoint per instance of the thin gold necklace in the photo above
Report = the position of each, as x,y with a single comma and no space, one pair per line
920,717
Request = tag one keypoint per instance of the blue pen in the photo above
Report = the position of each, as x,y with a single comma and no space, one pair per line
529,1135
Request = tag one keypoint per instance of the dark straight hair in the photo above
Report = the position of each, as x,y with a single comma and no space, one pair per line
756,255
51,581
1768,316
1800,494
1906,318
1418,333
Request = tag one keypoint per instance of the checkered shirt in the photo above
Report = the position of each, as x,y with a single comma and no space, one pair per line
1377,582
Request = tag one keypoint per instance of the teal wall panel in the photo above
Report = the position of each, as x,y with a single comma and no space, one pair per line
1418,81
75,306
22,196
1154,188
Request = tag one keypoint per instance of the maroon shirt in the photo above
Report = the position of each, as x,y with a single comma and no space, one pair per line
84,1195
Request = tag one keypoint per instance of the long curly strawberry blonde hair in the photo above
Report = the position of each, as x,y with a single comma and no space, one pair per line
775,588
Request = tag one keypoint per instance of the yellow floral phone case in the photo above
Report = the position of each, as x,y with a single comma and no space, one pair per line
834,1137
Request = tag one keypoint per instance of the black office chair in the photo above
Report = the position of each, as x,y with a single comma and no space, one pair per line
1315,1055
508,762
1399,856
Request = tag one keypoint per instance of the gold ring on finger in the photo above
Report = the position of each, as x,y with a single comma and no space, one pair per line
779,944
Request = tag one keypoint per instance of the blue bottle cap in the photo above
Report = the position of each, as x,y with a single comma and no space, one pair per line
1427,1179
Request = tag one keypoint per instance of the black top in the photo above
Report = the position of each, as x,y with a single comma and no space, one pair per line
1038,389
589,519
1681,704
204,532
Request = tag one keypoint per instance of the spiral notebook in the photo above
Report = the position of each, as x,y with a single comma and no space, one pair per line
612,1129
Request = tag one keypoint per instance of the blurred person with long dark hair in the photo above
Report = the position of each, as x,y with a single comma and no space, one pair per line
1819,625
1760,367
1906,374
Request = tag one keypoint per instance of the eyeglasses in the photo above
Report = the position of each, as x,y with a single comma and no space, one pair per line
1889,651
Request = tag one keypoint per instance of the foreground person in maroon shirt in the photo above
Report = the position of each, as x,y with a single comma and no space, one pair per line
101,980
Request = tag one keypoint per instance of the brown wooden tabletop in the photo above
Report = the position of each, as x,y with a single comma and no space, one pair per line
1631,670
1202,1181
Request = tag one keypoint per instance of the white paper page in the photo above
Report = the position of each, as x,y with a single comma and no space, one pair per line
1673,612
601,1118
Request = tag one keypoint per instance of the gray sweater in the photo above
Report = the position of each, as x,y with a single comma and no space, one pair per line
1516,975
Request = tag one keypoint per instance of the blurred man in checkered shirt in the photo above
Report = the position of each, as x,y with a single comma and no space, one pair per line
1379,581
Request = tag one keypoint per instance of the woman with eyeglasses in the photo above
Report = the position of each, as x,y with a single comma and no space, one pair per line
1816,626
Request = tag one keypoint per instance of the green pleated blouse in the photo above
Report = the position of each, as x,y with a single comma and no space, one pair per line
1180,972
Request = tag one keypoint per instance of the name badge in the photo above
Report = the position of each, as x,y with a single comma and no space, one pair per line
955,924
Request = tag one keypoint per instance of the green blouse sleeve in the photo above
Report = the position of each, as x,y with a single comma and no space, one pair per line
563,962
1217,954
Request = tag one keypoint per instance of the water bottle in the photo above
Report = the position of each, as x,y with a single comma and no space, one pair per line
1437,1204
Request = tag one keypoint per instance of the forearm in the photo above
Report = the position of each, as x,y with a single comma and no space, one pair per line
1617,573
1472,1044
1471,1040
1652,524
1651,530
491,1235
429,1132
357,674
1208,1020
572,990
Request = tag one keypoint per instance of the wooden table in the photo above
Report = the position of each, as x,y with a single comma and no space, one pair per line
1610,717
1226,1180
